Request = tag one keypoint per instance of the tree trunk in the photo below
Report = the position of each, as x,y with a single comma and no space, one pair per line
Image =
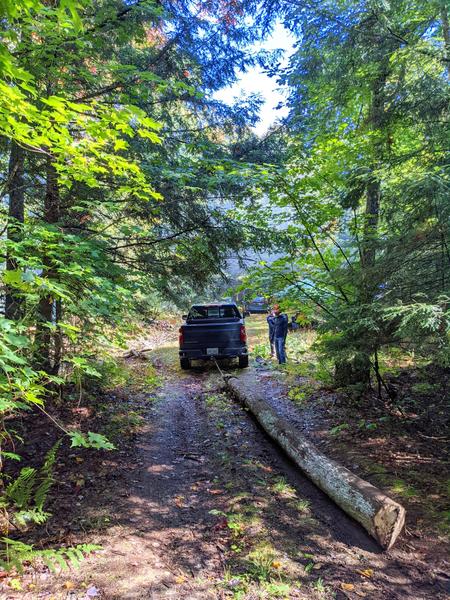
58,338
376,120
446,31
47,312
381,517
361,365
16,214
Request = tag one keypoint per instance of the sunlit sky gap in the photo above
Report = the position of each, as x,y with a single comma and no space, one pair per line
255,81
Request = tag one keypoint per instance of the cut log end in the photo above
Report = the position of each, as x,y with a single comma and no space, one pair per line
388,523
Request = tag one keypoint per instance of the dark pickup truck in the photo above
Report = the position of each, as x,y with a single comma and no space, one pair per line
213,331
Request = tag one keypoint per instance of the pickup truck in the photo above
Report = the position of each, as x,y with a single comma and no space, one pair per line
213,331
257,306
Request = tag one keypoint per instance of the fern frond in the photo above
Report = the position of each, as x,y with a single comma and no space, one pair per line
15,554
47,468
45,477
20,490
41,493
25,517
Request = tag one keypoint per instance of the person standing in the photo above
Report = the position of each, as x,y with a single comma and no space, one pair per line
270,323
280,329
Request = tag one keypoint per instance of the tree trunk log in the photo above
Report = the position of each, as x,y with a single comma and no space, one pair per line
381,516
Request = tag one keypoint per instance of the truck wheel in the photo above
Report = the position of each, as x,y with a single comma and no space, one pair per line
243,362
185,363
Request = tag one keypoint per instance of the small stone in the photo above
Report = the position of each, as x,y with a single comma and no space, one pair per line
92,592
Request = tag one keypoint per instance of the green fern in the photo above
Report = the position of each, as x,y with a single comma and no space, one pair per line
15,554
28,492
45,477
20,491
33,515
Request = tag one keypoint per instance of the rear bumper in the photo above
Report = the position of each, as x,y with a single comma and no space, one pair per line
200,354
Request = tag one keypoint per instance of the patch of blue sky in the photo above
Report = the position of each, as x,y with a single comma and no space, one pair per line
257,81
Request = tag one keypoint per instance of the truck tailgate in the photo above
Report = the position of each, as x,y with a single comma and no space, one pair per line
211,335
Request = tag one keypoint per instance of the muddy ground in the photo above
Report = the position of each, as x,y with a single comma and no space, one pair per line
198,503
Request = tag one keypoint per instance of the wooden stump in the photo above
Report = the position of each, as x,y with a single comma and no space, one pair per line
381,516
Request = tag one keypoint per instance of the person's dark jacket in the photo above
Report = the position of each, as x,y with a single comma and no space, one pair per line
280,326
270,323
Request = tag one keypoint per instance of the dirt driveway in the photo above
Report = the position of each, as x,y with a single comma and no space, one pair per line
203,505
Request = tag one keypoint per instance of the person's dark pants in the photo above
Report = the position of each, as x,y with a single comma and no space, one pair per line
280,343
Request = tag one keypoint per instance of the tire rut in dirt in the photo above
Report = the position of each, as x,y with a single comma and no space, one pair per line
170,515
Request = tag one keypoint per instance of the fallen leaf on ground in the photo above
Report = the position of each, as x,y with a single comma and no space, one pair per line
69,585
348,587
366,572
215,492
82,411
180,579
15,584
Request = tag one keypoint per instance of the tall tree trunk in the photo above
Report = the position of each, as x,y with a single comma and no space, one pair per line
369,282
47,313
373,188
358,369
446,31
16,214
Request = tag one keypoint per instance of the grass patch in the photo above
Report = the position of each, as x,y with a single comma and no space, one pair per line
301,394
124,423
218,401
303,506
282,487
403,489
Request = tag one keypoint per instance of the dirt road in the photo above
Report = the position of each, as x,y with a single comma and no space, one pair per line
204,505
212,509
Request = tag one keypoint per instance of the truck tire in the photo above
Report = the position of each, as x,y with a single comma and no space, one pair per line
243,362
185,363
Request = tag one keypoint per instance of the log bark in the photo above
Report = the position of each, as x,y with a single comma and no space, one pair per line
381,517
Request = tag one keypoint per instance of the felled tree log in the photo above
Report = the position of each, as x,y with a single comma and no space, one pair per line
382,517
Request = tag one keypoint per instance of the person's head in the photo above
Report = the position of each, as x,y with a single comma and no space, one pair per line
276,309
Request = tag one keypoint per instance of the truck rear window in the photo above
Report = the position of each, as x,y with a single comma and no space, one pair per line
213,312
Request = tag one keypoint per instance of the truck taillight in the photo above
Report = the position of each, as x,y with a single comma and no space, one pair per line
181,336
243,334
